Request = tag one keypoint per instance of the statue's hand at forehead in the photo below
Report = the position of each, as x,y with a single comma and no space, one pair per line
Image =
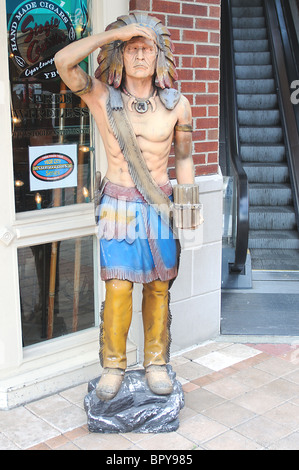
136,29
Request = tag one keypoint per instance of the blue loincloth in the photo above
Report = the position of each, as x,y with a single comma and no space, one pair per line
135,244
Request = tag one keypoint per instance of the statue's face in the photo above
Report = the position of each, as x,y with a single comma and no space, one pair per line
140,55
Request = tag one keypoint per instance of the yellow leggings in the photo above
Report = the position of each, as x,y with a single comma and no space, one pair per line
117,317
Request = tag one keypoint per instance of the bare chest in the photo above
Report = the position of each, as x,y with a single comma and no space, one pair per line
155,125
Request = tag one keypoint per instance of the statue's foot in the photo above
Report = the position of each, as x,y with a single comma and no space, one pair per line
158,380
109,383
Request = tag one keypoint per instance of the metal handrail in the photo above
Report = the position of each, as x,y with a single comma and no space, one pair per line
279,41
233,144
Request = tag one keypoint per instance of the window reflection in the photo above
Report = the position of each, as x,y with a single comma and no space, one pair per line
44,112
56,289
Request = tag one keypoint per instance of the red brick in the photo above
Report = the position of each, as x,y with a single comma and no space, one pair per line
213,111
207,99
213,87
195,36
185,74
198,170
199,135
214,38
199,62
207,50
208,75
172,173
140,5
175,34
213,169
199,159
201,147
184,49
206,23
214,63
209,123
171,161
180,21
166,7
215,12
201,170
160,17
214,2
195,62
199,111
194,10
190,98
213,134
213,157
193,87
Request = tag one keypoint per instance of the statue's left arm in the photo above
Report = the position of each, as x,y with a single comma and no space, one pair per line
183,143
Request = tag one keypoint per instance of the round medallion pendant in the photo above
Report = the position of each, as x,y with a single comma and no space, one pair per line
141,107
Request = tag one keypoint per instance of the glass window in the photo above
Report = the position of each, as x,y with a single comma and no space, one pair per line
52,151
56,289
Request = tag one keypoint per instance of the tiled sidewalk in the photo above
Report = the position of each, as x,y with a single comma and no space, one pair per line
237,397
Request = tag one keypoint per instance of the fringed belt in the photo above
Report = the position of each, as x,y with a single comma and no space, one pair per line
131,194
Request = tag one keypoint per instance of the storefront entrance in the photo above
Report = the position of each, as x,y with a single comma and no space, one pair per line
50,288
53,164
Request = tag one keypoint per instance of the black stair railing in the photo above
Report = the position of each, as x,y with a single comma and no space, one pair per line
234,162
285,71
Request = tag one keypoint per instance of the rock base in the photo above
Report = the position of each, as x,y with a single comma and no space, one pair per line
135,408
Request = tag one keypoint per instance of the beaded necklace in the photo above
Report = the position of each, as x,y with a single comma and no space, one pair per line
141,105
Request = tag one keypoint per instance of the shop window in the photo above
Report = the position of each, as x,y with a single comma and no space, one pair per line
52,148
56,289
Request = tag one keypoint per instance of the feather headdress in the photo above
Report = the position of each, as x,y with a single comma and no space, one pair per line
110,59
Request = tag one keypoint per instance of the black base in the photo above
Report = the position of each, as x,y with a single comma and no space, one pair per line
135,408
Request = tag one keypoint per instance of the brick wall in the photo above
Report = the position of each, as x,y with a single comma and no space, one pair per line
195,32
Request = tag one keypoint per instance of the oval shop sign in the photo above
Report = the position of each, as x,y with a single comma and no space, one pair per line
52,167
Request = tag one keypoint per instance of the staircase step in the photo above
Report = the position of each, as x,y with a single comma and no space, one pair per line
247,11
244,33
247,72
272,218
263,153
267,173
278,239
252,58
273,194
259,118
260,135
258,45
281,260
261,102
255,86
249,23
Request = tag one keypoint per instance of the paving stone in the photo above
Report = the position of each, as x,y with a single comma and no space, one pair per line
290,442
232,440
200,429
230,414
24,429
263,431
